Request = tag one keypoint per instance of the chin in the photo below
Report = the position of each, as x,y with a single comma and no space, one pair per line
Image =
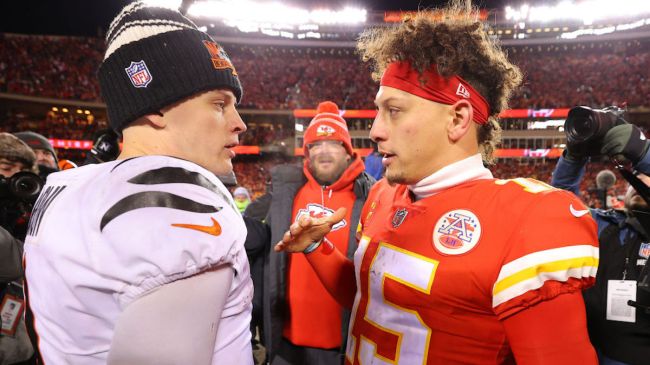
395,179
222,169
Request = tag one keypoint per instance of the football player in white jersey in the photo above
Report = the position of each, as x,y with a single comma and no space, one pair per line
141,260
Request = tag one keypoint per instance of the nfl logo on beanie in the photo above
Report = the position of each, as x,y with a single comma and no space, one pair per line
155,57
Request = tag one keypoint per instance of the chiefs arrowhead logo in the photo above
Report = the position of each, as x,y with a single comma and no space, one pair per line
319,211
324,130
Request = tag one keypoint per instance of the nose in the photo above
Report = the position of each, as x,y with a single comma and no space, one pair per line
239,126
378,129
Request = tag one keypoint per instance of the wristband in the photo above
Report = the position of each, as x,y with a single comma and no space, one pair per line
311,248
328,247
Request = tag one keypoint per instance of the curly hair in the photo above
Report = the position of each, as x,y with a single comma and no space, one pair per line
458,44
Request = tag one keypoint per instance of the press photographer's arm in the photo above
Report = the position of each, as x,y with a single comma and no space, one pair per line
621,233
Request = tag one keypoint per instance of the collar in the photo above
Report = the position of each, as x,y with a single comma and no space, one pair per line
457,173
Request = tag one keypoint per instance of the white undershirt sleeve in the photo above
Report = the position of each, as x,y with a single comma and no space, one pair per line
175,324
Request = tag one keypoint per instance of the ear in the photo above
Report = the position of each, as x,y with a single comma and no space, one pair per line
463,115
156,119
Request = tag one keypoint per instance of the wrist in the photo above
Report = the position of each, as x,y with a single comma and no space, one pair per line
324,246
574,158
313,247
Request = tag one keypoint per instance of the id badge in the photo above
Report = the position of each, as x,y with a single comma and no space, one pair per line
618,294
11,310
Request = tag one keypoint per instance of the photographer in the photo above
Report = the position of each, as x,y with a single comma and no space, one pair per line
15,158
620,335
46,159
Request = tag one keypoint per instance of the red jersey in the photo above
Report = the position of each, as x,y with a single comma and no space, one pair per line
436,276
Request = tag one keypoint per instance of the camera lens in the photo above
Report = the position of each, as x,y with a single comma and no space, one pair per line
580,125
25,185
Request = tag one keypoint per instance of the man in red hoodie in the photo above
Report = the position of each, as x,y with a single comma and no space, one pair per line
303,324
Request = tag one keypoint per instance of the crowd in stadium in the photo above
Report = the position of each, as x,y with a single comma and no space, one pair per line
290,78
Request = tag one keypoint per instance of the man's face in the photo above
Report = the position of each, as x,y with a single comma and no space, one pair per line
633,201
45,158
411,135
9,168
241,197
327,161
205,129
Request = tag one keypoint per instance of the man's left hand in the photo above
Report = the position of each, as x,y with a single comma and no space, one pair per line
626,140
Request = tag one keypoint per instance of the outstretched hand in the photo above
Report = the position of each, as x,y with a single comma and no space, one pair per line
308,230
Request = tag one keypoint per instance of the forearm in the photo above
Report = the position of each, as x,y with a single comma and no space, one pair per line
568,174
551,332
336,272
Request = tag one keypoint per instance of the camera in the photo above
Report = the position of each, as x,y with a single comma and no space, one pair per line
585,127
18,195
23,186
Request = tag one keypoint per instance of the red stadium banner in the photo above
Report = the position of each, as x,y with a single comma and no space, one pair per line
506,114
532,153
534,113
352,114
506,153
71,143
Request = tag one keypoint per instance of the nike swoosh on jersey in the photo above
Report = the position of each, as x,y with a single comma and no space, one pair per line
214,229
578,213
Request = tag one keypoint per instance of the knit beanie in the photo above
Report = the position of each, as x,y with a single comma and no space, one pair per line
155,57
327,125
242,191
37,142
13,149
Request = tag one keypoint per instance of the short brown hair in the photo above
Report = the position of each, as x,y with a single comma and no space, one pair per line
458,44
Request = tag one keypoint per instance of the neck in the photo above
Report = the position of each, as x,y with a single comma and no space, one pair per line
456,173
140,140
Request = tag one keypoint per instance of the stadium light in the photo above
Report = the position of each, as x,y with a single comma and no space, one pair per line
247,15
586,12
605,30
171,4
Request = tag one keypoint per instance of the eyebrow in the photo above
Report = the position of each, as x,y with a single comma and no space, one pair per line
225,93
387,100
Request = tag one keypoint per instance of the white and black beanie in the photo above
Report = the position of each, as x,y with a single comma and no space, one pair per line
155,57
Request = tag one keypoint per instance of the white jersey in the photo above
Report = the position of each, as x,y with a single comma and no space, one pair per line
101,236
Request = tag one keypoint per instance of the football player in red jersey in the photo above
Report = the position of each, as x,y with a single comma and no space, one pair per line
454,266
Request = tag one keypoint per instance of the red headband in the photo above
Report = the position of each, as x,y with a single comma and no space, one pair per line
401,75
